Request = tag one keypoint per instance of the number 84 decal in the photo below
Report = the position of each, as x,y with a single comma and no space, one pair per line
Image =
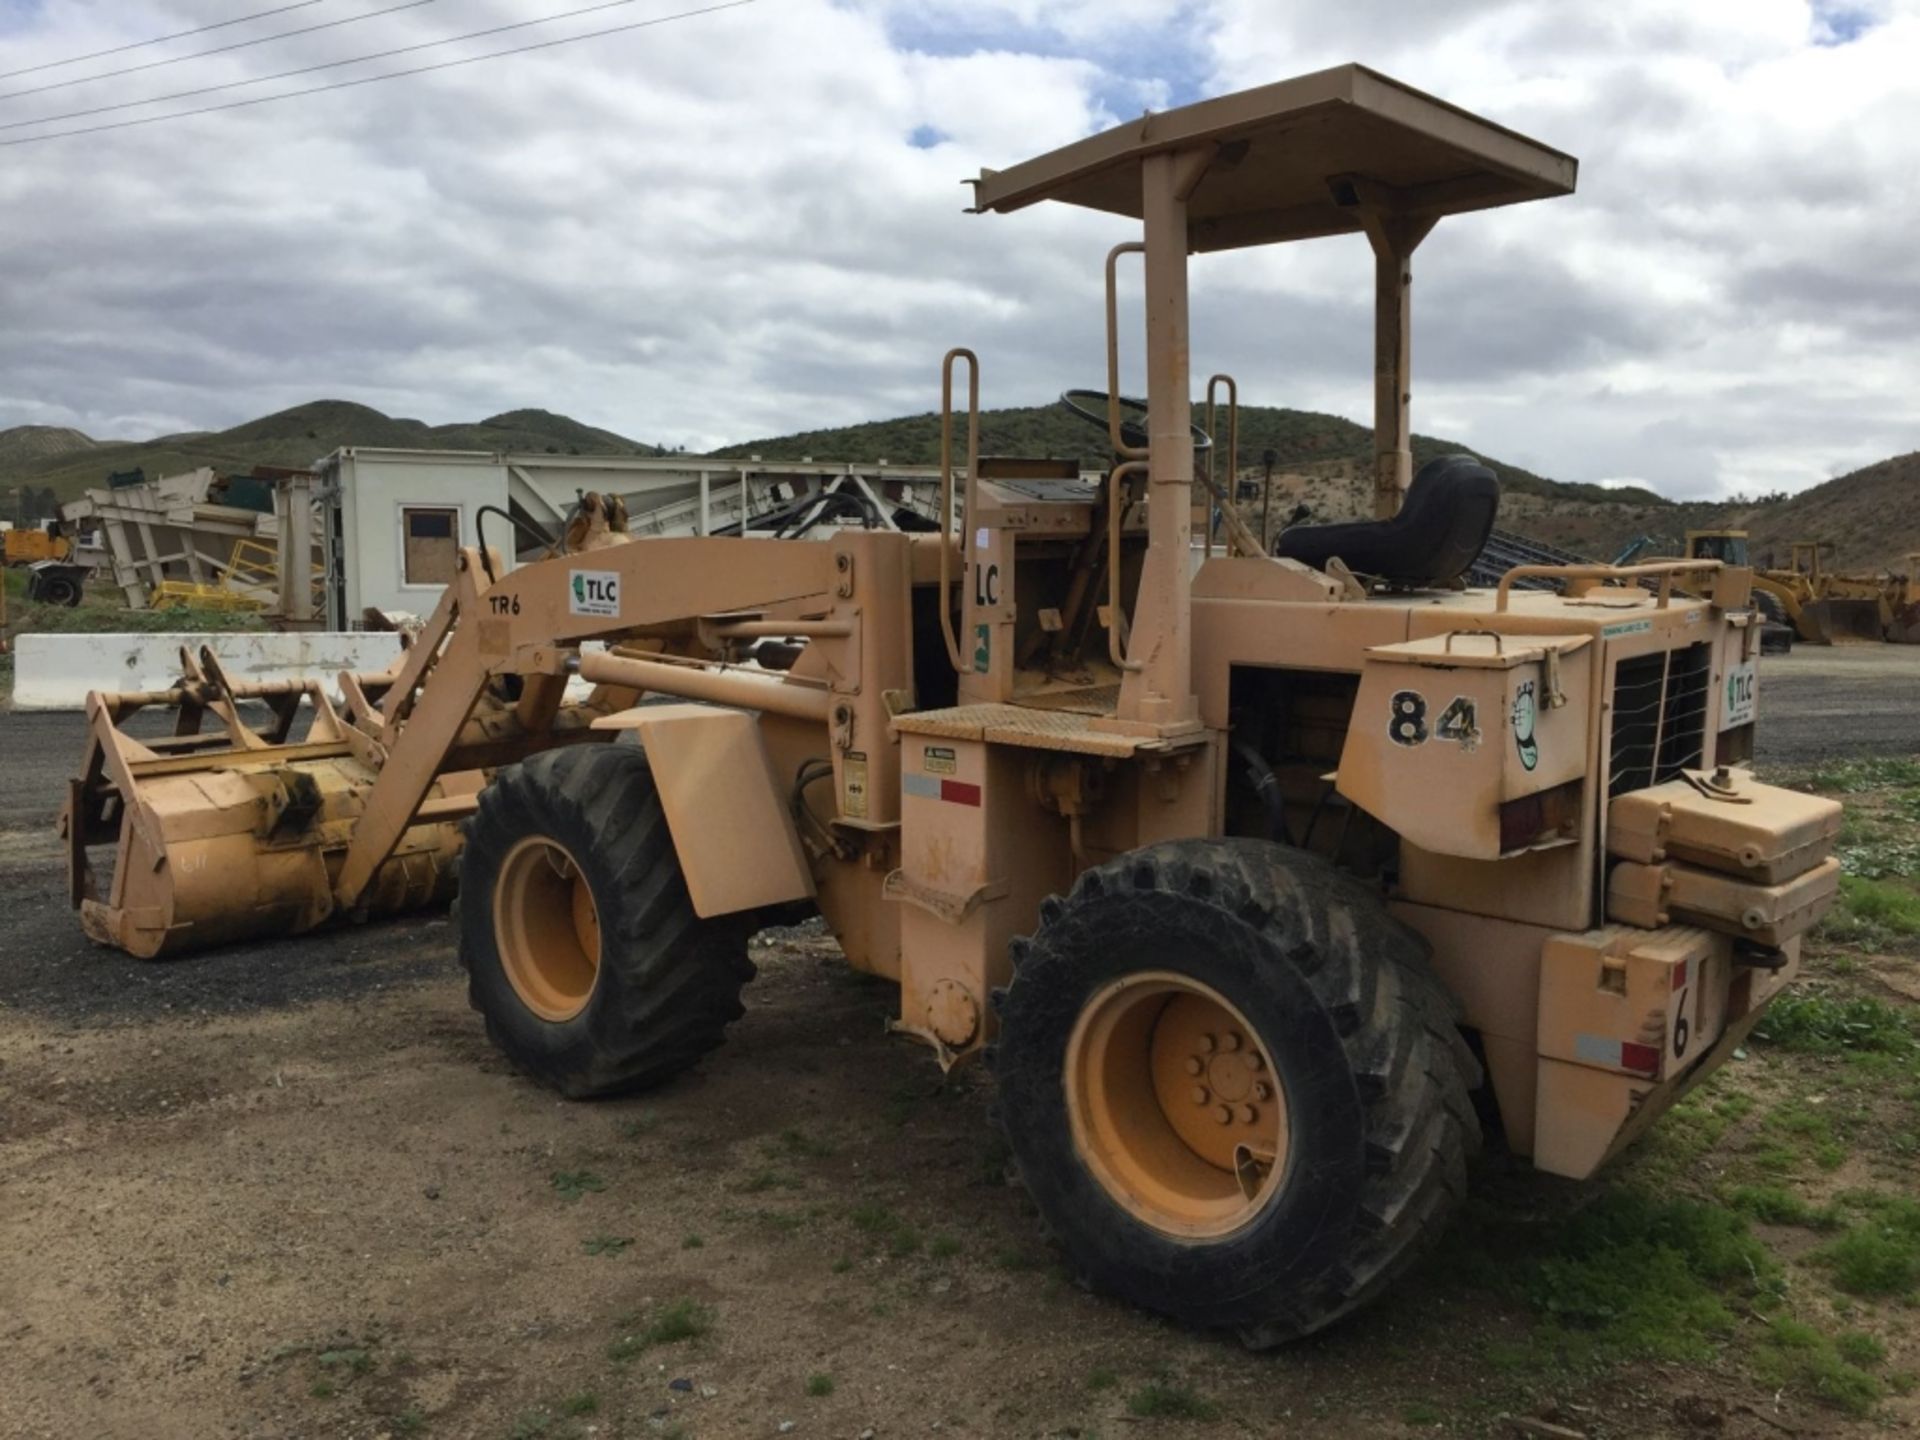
1407,721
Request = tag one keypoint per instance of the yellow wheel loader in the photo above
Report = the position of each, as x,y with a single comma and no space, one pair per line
1253,879
1821,607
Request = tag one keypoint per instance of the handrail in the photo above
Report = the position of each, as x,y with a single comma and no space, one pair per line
1115,505
1666,569
958,352
1233,453
1125,452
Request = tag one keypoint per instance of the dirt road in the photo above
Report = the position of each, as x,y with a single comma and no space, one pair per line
290,1190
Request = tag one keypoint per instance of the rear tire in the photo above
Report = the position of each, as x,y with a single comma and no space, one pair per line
1302,970
580,942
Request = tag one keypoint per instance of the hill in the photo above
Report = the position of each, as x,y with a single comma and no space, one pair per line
28,444
292,437
1301,441
1871,517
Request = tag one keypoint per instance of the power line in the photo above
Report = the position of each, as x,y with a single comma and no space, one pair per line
217,50
157,40
311,69
373,79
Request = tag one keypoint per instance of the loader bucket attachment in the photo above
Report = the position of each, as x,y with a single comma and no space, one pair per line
1839,621
235,832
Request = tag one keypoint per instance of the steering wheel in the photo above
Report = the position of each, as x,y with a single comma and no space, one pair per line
1091,406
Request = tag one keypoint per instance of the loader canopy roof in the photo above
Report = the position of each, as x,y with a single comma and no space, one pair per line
1295,159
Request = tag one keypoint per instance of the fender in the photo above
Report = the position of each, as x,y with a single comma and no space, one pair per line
730,825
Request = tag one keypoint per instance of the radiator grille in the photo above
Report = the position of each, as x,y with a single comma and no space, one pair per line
1659,717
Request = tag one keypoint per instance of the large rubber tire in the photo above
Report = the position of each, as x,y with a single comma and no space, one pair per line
668,983
1376,1076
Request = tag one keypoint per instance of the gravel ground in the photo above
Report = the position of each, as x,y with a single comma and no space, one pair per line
289,1190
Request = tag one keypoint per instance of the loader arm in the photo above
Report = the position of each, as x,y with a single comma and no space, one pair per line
527,623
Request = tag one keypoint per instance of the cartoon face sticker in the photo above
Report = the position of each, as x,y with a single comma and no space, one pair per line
1523,715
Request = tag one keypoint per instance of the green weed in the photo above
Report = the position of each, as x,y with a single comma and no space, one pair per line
819,1385
410,1421
351,1359
943,1246
1164,1400
691,1242
763,1180
797,1142
1421,1412
572,1184
1102,1377
674,1322
606,1244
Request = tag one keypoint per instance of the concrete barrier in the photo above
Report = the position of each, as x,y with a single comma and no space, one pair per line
55,672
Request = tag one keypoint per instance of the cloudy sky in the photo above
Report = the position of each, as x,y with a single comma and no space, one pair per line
748,222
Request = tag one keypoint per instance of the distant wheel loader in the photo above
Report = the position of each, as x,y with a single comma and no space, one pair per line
1255,880
1819,606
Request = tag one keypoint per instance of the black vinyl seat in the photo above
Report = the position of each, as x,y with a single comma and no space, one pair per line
1442,526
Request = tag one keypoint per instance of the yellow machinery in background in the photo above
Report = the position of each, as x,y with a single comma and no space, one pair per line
29,546
1821,606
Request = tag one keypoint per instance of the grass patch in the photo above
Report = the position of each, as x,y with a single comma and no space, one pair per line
762,1181
1851,777
572,1184
410,1421
1422,1412
1165,1400
531,1425
819,1385
797,1142
1880,1257
943,1246
1818,1024
1797,1357
1880,904
1631,1274
1102,1377
677,1321
691,1242
883,1224
585,1403
1775,1205
606,1244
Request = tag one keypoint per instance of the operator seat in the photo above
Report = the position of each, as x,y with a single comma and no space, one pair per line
1442,526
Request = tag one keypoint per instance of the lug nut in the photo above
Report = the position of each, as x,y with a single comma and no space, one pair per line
1200,1096
1248,1114
1256,1061
1232,1040
1223,1114
1194,1067
1208,1043
1262,1091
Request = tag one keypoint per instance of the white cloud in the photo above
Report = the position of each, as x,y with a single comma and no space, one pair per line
724,227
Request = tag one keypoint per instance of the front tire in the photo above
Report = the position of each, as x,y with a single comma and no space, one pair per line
1233,1088
582,949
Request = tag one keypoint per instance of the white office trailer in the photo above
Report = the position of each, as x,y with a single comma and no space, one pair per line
396,519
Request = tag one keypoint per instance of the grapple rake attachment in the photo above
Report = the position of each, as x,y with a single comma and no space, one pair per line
236,830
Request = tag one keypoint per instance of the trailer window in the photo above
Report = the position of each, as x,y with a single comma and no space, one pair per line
430,540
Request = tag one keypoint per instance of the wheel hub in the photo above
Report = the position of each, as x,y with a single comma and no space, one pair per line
547,929
1175,1105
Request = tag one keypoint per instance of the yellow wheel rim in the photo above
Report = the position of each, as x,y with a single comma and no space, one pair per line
1175,1105
546,928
